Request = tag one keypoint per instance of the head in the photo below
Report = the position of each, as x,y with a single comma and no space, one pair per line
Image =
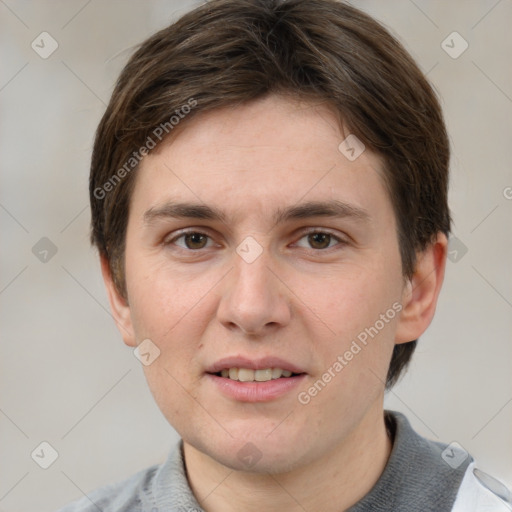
247,110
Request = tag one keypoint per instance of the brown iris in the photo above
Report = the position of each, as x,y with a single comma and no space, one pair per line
319,238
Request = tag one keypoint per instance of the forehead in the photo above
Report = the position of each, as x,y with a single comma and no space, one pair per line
262,156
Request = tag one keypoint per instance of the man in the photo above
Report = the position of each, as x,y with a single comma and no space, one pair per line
269,200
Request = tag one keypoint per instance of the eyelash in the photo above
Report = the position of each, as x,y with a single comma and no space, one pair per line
181,234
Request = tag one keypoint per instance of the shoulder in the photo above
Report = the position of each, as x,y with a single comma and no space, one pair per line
480,492
123,496
423,474
160,487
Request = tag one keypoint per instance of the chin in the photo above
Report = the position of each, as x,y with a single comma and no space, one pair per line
263,462
256,452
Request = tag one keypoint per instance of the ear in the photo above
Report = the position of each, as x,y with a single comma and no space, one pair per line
118,305
419,298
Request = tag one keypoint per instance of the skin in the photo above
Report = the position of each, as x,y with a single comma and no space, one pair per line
304,300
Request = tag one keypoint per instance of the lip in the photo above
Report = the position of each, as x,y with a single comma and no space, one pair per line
253,364
255,391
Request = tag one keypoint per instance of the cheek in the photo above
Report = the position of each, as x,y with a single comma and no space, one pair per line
162,300
173,312
349,304
354,354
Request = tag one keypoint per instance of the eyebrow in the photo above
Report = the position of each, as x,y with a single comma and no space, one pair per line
332,208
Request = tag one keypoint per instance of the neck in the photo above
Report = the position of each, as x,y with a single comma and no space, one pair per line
333,482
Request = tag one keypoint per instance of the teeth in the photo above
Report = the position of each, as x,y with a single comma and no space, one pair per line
248,375
244,374
263,375
276,373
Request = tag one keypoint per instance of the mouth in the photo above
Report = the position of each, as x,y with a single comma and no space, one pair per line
249,380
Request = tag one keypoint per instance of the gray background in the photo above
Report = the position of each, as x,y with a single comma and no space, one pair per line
65,375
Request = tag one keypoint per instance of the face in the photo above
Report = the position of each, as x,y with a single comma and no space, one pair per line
289,260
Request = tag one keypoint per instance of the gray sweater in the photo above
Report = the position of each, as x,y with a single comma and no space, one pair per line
420,476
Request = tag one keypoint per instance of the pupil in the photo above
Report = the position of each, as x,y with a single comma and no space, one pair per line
195,238
314,239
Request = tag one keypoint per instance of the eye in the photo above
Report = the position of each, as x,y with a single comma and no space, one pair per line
192,240
318,240
321,240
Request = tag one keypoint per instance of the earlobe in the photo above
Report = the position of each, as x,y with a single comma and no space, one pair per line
118,305
419,298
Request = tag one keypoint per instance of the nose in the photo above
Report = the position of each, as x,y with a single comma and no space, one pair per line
254,299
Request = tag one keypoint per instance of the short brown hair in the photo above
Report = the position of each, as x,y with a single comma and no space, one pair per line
227,52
